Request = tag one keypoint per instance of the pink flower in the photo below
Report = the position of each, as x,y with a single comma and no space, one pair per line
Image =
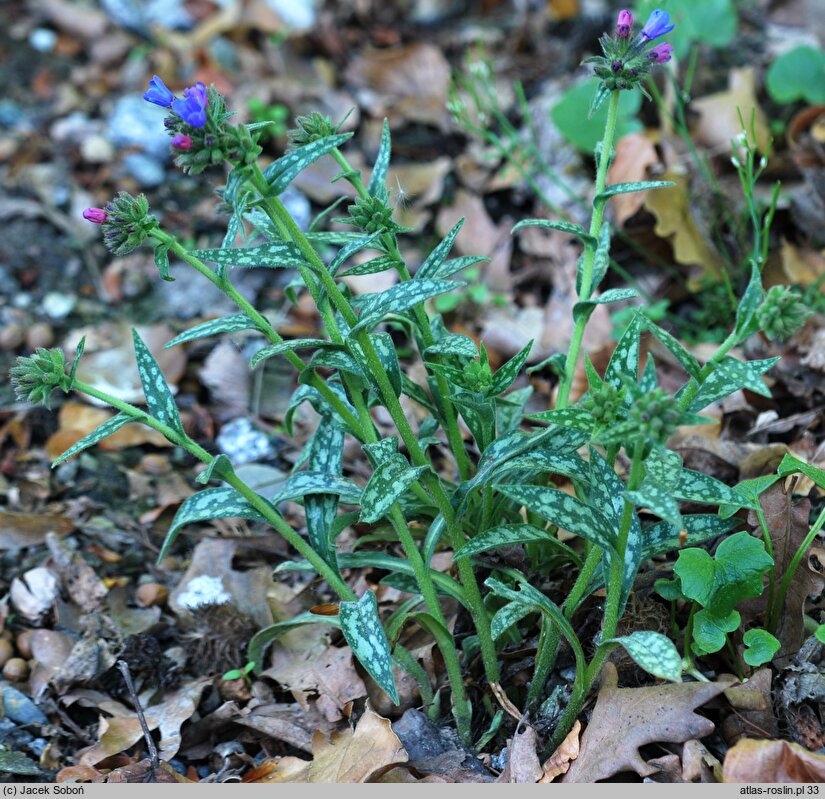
96,215
661,53
182,142
624,23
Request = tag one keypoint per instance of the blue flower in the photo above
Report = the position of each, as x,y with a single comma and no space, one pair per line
192,109
658,24
159,93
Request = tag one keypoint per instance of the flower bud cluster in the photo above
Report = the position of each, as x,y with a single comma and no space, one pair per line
654,415
35,377
782,313
604,403
628,59
197,124
374,214
310,128
125,221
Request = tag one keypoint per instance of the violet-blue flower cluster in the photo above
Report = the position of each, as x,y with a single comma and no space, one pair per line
191,109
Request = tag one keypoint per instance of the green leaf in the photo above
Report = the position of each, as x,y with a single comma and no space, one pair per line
453,265
699,487
570,115
162,261
629,188
453,344
730,375
733,574
416,392
798,74
565,511
282,172
749,491
379,264
385,349
272,350
654,652
219,467
688,362
761,646
710,630
78,354
98,434
601,262
436,258
556,224
159,399
746,320
508,372
624,362
586,307
305,483
382,162
362,630
388,483
790,464
507,616
278,254
349,249
325,457
260,642
663,537
374,307
226,324
657,500
572,416
820,633
506,535
311,395
211,503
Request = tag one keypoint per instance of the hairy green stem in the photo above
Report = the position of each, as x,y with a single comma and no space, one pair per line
596,220
256,500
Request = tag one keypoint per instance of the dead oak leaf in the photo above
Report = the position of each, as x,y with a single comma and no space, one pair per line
625,719
523,766
357,755
559,762
772,761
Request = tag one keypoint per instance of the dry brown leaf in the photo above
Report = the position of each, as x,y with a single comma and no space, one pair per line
753,715
18,530
117,734
719,113
672,208
772,761
698,764
352,756
523,766
80,580
559,762
290,723
625,719
404,83
802,265
788,525
635,153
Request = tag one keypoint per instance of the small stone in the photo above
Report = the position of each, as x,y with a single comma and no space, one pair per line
242,442
151,595
16,670
147,171
155,465
97,150
6,651
136,123
24,643
43,40
40,335
19,708
57,305
12,336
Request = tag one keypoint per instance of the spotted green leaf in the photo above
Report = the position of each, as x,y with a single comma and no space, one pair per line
625,359
226,324
211,503
162,261
627,188
509,371
761,647
506,535
565,511
436,258
350,249
219,467
601,262
557,224
654,652
507,616
288,346
282,172
98,434
750,491
658,501
586,307
277,254
374,307
388,483
325,456
385,349
159,399
453,344
746,319
316,399
699,487
382,162
662,537
574,417
687,361
362,630
453,265
380,263
730,375
304,483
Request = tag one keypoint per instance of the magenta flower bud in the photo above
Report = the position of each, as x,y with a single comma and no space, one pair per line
182,142
661,53
96,215
624,23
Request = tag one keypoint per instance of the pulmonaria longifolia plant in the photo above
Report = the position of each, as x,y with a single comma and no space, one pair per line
430,488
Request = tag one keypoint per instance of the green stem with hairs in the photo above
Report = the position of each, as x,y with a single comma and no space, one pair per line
256,500
596,220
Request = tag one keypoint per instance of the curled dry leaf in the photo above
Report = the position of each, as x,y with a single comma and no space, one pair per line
357,755
625,719
772,761
18,530
753,705
523,765
559,762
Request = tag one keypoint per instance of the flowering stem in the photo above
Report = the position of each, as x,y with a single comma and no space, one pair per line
256,500
596,220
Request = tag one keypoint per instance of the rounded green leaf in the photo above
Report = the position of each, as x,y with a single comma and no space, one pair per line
655,653
761,646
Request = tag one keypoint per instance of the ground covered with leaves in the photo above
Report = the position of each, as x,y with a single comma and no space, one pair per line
487,103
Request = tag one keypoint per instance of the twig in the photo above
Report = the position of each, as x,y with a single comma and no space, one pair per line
150,743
